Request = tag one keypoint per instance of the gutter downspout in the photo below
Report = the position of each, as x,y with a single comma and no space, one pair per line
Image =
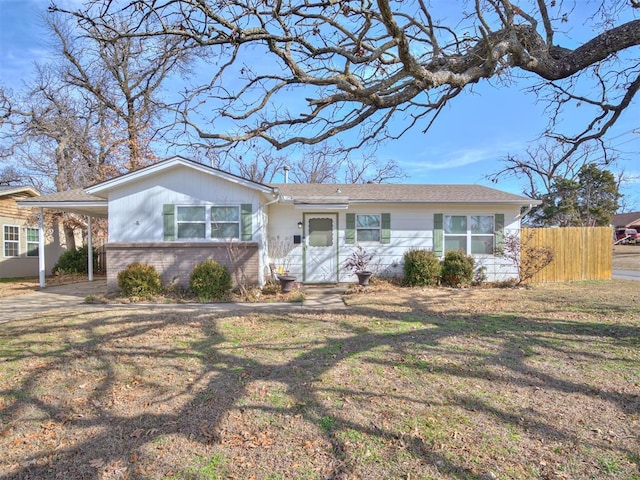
526,211
265,243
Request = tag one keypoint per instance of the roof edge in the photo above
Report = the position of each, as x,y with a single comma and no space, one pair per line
14,190
170,162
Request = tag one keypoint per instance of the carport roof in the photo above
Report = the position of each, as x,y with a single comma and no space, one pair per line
74,201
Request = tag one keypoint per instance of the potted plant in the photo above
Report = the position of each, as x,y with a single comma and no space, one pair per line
280,252
358,263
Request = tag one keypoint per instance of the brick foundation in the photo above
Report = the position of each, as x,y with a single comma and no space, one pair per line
174,261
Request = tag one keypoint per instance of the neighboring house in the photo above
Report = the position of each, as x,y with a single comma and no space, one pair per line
177,212
627,220
20,236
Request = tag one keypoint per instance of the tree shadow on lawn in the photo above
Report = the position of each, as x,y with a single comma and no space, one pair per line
264,392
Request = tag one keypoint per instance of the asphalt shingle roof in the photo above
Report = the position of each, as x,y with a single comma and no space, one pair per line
626,219
76,196
407,193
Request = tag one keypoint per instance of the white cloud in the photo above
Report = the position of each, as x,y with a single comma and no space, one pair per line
438,159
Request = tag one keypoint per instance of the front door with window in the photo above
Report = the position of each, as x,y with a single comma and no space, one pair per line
321,248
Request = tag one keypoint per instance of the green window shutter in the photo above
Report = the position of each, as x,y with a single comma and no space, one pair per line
246,233
385,235
169,218
499,229
350,234
438,235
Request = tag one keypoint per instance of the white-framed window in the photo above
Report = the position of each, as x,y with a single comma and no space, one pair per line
192,222
368,228
473,234
11,241
225,222
33,242
218,222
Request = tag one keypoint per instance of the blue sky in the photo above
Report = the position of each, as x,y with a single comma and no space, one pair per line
465,144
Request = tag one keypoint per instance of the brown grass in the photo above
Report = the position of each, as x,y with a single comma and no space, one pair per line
540,383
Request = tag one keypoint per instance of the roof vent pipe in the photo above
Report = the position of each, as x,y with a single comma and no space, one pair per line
286,174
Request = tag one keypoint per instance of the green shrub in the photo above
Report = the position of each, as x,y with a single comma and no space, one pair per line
457,269
139,280
210,281
421,268
74,261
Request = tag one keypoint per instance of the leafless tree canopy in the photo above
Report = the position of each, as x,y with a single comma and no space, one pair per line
305,71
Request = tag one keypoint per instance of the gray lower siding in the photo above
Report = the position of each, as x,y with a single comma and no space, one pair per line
174,261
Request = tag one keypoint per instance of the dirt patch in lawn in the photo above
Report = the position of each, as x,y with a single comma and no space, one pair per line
539,383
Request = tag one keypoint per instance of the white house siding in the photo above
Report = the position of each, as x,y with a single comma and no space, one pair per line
135,209
136,215
411,228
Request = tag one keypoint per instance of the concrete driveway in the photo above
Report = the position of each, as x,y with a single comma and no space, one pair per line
60,298
51,298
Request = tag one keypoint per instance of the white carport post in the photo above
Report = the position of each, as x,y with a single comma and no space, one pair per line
41,259
90,250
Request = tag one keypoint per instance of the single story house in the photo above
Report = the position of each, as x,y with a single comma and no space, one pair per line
178,212
21,236
627,220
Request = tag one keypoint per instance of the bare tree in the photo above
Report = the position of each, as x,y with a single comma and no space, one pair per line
55,140
124,75
320,164
547,161
371,170
303,72
257,163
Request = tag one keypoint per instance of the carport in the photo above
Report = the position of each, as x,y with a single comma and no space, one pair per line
72,201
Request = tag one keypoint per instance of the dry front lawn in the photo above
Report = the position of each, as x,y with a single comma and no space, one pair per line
403,384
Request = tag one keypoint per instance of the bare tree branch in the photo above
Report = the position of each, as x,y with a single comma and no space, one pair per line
323,68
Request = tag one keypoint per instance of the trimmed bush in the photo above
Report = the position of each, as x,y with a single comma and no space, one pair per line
139,280
421,268
210,281
74,261
457,269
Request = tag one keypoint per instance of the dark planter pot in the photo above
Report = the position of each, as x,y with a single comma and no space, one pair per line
363,277
286,283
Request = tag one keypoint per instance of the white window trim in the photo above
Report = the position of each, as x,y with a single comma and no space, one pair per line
237,222
469,235
178,222
207,223
379,215
5,241
37,242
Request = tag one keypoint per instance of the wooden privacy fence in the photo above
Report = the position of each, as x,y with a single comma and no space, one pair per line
579,253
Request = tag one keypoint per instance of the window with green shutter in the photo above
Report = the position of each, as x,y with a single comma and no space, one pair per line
214,222
169,222
499,232
438,235
350,232
472,234
368,227
247,222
